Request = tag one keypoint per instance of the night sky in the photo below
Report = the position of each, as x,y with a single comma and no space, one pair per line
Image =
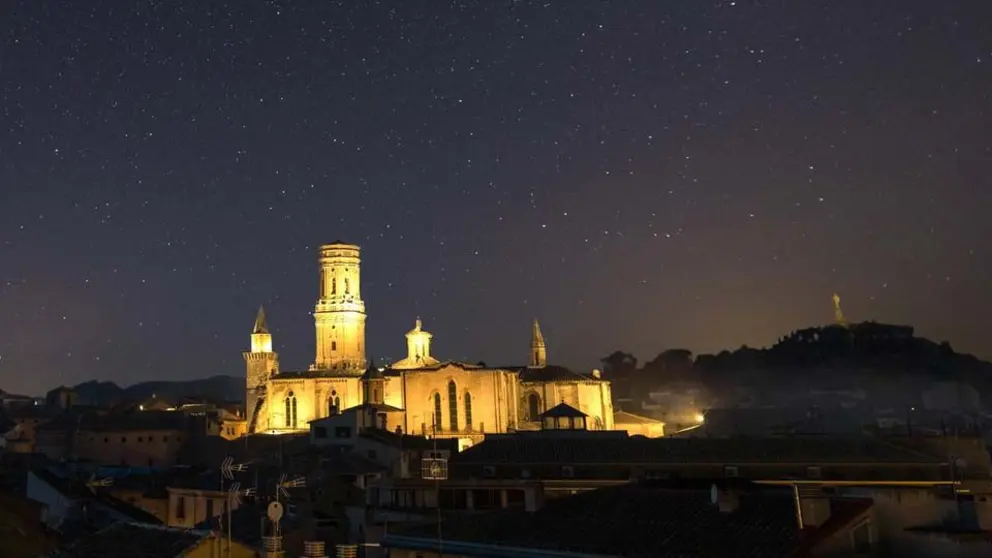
638,175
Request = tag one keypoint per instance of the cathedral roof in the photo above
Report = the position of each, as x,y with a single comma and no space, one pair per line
553,373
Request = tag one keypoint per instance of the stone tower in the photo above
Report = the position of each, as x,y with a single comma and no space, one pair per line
262,364
418,344
538,350
339,316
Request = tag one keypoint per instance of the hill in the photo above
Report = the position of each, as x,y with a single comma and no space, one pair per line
216,388
831,357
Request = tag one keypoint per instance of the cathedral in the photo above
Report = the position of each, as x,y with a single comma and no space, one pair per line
421,394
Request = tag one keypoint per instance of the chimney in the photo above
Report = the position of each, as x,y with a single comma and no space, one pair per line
314,549
726,500
812,506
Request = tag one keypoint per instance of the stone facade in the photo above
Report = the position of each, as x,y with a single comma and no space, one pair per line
449,399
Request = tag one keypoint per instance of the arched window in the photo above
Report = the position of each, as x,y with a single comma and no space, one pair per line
375,395
290,410
468,411
437,412
533,406
334,285
453,405
347,286
333,404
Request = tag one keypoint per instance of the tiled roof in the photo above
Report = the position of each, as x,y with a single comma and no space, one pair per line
623,417
640,521
351,464
139,420
128,540
408,441
563,410
76,489
552,373
637,449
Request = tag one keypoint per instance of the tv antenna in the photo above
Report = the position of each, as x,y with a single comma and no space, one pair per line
227,469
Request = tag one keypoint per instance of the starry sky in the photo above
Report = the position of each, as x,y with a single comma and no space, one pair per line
638,175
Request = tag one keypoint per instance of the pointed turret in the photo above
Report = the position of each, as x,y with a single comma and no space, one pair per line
262,364
261,326
373,384
538,350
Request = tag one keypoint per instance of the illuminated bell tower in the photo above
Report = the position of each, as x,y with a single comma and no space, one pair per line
339,316
538,350
262,364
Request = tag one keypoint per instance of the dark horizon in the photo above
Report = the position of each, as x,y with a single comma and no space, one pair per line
637,177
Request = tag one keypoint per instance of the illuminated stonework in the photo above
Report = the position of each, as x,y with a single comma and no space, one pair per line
339,316
449,399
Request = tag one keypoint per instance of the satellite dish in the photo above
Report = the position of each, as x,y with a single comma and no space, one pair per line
275,512
714,494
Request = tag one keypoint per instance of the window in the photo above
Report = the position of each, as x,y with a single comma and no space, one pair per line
453,405
861,539
334,285
437,412
375,395
347,286
730,471
291,410
334,345
568,471
814,472
488,471
468,411
333,404
320,431
342,432
533,406
181,507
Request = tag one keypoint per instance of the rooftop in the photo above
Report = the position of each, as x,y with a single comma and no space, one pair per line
127,540
563,410
407,441
646,520
517,448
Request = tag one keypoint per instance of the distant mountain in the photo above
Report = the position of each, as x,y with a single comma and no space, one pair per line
868,352
216,388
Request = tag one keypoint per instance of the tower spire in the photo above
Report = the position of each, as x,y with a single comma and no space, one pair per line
261,326
538,350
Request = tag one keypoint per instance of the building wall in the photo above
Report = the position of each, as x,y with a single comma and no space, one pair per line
190,507
217,547
647,429
56,505
592,398
491,399
312,399
137,448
